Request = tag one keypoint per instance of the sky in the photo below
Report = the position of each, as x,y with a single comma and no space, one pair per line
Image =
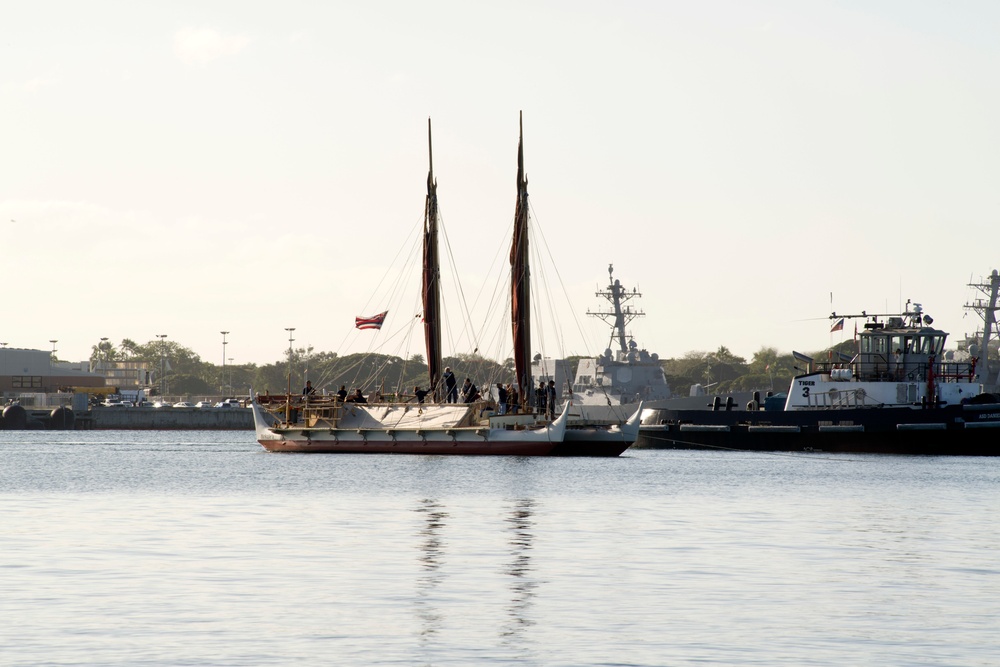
188,168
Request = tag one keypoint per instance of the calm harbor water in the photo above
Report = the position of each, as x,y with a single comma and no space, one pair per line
199,548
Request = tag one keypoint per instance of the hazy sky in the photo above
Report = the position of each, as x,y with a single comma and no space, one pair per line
185,168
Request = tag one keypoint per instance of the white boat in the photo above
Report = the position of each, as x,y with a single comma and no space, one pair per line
328,425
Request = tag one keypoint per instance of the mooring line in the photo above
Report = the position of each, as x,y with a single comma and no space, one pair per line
794,455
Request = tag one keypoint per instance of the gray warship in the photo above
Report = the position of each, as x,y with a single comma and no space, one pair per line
622,376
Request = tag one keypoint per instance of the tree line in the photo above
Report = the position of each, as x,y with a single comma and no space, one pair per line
186,374
719,372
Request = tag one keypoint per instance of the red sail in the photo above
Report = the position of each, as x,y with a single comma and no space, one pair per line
520,284
431,291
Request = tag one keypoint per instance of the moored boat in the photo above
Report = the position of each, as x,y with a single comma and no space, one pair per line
602,438
896,395
330,425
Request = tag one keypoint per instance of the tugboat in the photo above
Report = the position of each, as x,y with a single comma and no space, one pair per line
898,394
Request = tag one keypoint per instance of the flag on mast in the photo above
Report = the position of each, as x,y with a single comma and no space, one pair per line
839,326
373,322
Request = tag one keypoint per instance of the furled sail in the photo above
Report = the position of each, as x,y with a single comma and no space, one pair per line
431,288
520,284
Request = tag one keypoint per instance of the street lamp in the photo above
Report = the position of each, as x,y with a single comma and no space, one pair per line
290,339
53,348
223,388
163,372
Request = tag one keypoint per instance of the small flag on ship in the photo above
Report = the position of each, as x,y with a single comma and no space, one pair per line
839,326
374,322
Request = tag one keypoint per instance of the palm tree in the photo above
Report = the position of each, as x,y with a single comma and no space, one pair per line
128,348
103,351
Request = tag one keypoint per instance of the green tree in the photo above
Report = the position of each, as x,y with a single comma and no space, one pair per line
127,348
104,350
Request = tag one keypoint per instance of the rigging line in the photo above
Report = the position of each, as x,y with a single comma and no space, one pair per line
457,283
544,304
463,305
792,455
499,284
365,356
576,320
498,312
407,242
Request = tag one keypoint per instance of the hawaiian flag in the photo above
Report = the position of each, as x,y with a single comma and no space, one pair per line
374,322
839,326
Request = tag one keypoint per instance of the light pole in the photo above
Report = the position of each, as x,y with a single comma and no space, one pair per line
53,341
290,339
163,365
223,388
230,375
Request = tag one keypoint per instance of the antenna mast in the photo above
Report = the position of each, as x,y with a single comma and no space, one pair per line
987,311
621,314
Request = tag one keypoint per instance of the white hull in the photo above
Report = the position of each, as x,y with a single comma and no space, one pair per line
820,391
396,430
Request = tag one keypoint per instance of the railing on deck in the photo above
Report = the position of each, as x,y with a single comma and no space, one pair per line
902,372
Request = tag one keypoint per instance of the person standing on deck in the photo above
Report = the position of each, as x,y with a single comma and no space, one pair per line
502,398
309,389
342,394
451,386
550,400
540,398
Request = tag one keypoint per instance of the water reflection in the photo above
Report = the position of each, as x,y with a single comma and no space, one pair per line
520,523
431,559
443,566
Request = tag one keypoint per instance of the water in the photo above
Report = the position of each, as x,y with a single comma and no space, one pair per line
199,548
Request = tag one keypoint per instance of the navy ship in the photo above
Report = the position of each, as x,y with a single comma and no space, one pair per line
624,374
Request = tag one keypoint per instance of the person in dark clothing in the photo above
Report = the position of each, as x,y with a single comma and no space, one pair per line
356,397
550,399
469,391
342,394
309,389
451,386
502,398
420,394
540,399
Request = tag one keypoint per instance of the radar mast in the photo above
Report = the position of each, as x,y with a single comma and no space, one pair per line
620,314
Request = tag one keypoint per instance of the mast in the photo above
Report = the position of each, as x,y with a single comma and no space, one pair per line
520,292
987,310
431,287
621,314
